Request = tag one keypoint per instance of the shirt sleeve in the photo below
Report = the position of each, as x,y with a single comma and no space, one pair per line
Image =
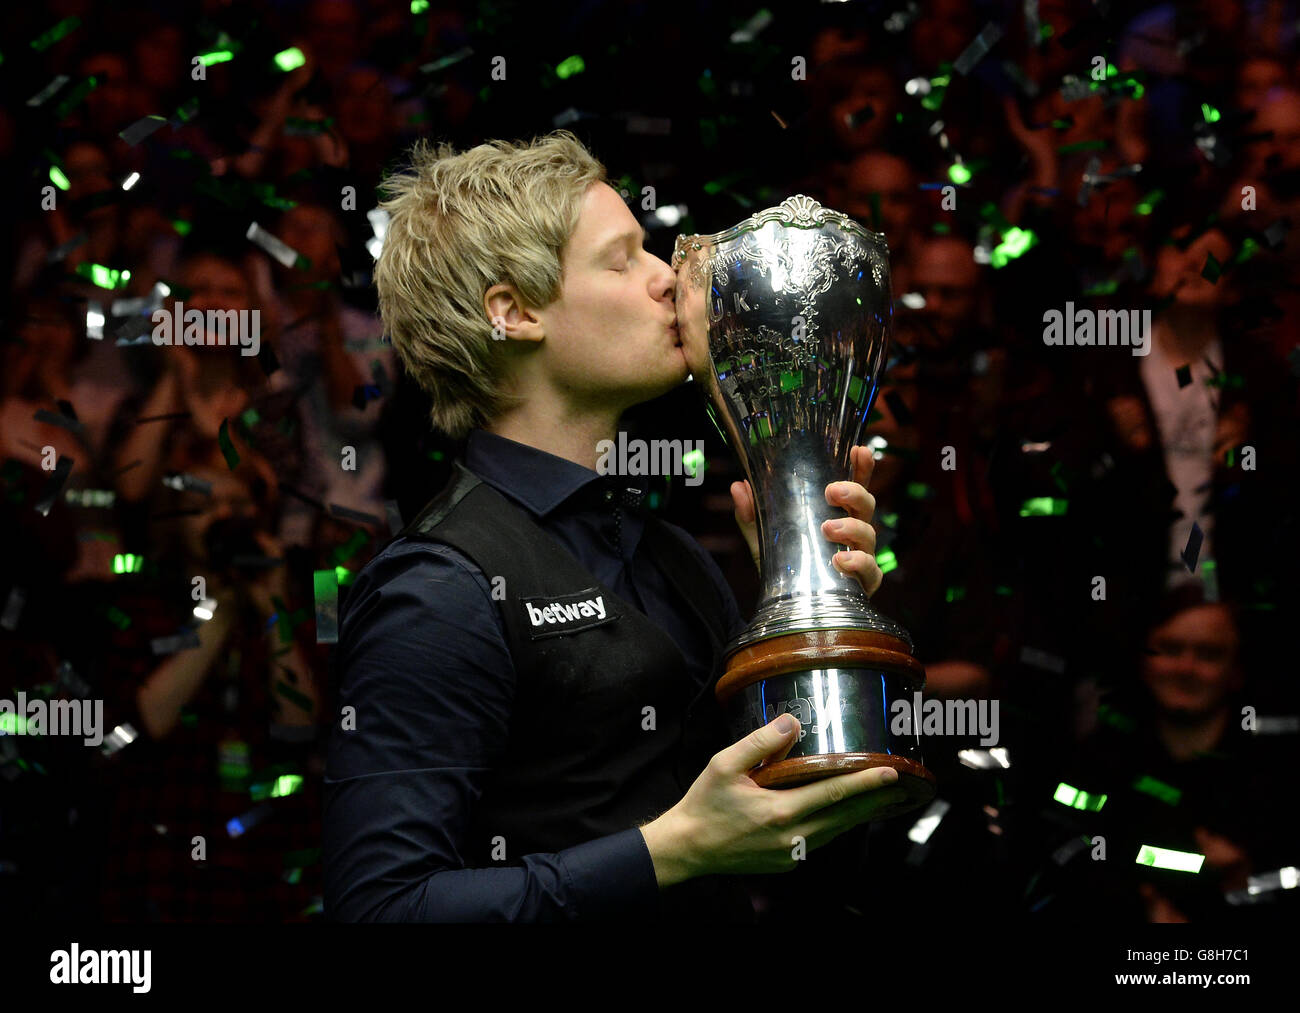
425,667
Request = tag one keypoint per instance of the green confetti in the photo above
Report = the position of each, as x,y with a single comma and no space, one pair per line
886,560
1164,858
216,56
58,179
127,563
349,549
292,695
419,6
1213,270
1209,112
1076,799
74,97
1097,145
13,724
693,462
1015,242
1043,506
918,490
104,277
1116,720
117,617
1147,204
227,447
1166,793
959,173
954,594
567,68
290,59
45,41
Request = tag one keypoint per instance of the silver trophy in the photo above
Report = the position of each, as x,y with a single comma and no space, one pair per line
785,318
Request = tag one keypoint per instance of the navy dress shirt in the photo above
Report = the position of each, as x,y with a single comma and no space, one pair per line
424,660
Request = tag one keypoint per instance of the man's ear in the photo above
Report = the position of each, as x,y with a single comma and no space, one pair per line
511,319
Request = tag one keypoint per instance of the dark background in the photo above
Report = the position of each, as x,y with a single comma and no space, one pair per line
702,104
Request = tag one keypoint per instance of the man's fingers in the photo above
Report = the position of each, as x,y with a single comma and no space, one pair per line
756,746
864,464
809,798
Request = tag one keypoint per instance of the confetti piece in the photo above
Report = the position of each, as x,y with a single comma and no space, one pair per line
447,61
327,606
1213,270
63,249
359,516
141,129
1166,793
240,825
750,30
292,695
1076,799
923,829
1288,724
227,447
1063,854
1042,659
1193,547
1184,374
886,560
52,487
44,95
568,67
188,483
177,642
121,736
996,758
1164,858
1044,506
62,29
279,250
13,608
1276,232
104,277
977,49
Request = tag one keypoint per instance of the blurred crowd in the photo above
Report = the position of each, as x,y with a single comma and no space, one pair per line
1103,542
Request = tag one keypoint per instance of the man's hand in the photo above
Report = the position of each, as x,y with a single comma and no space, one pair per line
855,530
726,824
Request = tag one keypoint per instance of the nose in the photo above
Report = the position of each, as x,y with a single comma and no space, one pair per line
664,285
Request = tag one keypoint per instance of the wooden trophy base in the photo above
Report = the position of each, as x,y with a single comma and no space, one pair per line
841,685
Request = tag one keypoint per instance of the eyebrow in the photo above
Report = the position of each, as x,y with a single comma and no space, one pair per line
621,238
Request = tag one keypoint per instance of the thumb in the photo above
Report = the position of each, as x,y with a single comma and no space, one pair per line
758,745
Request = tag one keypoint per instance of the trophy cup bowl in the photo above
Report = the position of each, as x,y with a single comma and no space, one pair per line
785,318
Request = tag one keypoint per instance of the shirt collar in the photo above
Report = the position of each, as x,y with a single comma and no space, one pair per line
532,477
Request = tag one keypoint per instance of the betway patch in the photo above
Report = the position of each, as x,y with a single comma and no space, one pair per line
549,616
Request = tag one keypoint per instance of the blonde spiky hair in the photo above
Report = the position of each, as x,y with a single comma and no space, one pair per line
499,213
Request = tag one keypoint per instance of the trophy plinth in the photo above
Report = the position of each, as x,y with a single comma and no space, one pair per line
785,320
